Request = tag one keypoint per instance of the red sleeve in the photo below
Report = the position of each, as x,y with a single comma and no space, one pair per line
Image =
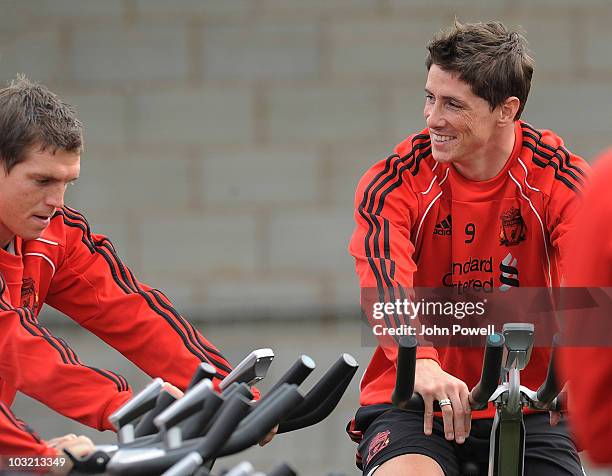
565,188
93,287
589,369
45,368
385,210
17,439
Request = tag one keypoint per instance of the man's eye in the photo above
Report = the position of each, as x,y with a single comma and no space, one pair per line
42,181
454,105
429,98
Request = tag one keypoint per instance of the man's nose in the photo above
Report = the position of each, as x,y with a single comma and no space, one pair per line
56,196
433,116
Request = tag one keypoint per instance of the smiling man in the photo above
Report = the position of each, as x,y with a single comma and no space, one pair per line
477,185
49,254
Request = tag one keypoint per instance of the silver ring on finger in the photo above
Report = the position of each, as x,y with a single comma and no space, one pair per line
444,402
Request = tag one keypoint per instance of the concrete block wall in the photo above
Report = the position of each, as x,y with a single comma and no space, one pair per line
225,138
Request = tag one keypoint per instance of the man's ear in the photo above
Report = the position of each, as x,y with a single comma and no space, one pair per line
508,110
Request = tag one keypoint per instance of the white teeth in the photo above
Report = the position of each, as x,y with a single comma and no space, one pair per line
440,138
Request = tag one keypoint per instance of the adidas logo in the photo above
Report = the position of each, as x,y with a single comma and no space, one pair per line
444,227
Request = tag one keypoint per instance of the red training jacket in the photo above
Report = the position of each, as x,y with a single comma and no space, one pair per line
17,439
589,369
79,273
420,222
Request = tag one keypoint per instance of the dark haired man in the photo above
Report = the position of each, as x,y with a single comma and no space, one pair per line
505,193
49,254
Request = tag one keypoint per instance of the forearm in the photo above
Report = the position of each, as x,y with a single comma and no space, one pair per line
45,368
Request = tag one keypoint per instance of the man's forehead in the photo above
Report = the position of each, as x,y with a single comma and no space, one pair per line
60,163
447,84
439,77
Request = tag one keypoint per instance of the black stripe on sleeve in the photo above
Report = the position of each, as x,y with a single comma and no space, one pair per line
544,155
30,324
9,415
552,149
551,157
107,251
407,162
32,328
193,334
553,165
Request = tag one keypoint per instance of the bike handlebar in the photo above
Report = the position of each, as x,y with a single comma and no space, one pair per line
550,387
251,369
297,373
404,396
202,372
263,419
317,394
156,460
191,403
228,420
185,466
324,408
146,426
491,372
544,399
238,387
404,378
138,405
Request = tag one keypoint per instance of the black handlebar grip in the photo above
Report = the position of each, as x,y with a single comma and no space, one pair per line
186,466
282,469
264,419
345,364
322,411
145,426
550,387
192,402
298,372
236,387
138,405
93,463
270,400
230,415
196,425
404,379
155,460
204,370
491,371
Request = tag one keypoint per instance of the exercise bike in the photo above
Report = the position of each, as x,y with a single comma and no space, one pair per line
506,354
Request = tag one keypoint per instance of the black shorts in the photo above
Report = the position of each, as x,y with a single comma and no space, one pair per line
389,432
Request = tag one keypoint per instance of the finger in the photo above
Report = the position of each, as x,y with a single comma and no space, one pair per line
458,417
428,415
464,395
82,446
172,390
79,450
555,417
86,440
447,417
267,439
54,442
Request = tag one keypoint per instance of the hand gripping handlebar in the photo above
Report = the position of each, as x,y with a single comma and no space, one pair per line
404,396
